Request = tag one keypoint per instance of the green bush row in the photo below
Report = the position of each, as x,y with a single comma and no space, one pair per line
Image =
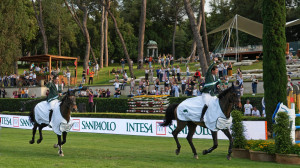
103,104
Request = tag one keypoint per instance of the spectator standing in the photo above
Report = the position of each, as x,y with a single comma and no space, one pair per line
221,68
263,107
150,62
198,75
107,93
117,93
0,82
176,90
151,75
157,72
187,70
26,93
171,60
229,69
157,83
225,69
91,99
247,108
161,74
189,91
83,77
123,64
117,84
147,74
178,73
34,79
255,112
132,84
254,85
68,74
183,85
91,78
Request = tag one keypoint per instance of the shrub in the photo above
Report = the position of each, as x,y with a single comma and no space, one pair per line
261,145
283,141
239,140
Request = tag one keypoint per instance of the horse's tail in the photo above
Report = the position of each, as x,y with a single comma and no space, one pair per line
169,115
31,116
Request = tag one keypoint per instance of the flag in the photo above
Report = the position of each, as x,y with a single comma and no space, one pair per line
75,63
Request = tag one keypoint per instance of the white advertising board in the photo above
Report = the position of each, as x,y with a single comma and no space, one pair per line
253,129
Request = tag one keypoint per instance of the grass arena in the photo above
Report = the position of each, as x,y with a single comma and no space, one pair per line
106,150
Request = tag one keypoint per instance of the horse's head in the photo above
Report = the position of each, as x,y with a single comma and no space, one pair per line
236,95
230,96
70,100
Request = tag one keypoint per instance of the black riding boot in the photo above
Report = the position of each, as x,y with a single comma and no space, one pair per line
203,112
50,117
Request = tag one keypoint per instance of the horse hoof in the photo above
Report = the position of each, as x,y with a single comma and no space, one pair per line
196,156
55,146
39,141
61,155
31,141
177,151
204,152
228,157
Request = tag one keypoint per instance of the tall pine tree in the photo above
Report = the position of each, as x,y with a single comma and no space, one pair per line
274,44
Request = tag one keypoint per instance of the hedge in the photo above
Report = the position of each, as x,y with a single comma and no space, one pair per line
118,105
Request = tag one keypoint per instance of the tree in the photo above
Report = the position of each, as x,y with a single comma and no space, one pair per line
274,64
18,27
121,39
204,33
197,36
142,33
199,22
83,27
39,19
102,36
106,33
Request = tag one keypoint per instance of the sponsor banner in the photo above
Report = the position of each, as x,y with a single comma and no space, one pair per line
254,129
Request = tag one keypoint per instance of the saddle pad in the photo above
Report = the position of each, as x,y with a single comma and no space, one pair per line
41,112
191,109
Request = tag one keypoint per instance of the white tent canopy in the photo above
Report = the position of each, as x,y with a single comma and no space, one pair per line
243,24
248,26
292,23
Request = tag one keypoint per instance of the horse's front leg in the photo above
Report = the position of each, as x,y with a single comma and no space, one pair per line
60,152
215,139
64,138
227,133
33,133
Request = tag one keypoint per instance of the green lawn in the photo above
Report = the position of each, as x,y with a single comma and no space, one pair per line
104,150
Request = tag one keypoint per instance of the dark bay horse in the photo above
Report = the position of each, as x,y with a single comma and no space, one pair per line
68,104
227,100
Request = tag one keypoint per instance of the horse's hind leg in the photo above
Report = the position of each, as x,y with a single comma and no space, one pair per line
180,126
33,133
40,132
64,138
215,139
227,133
192,129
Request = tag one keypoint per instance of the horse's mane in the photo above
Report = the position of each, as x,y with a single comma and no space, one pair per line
224,93
63,99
